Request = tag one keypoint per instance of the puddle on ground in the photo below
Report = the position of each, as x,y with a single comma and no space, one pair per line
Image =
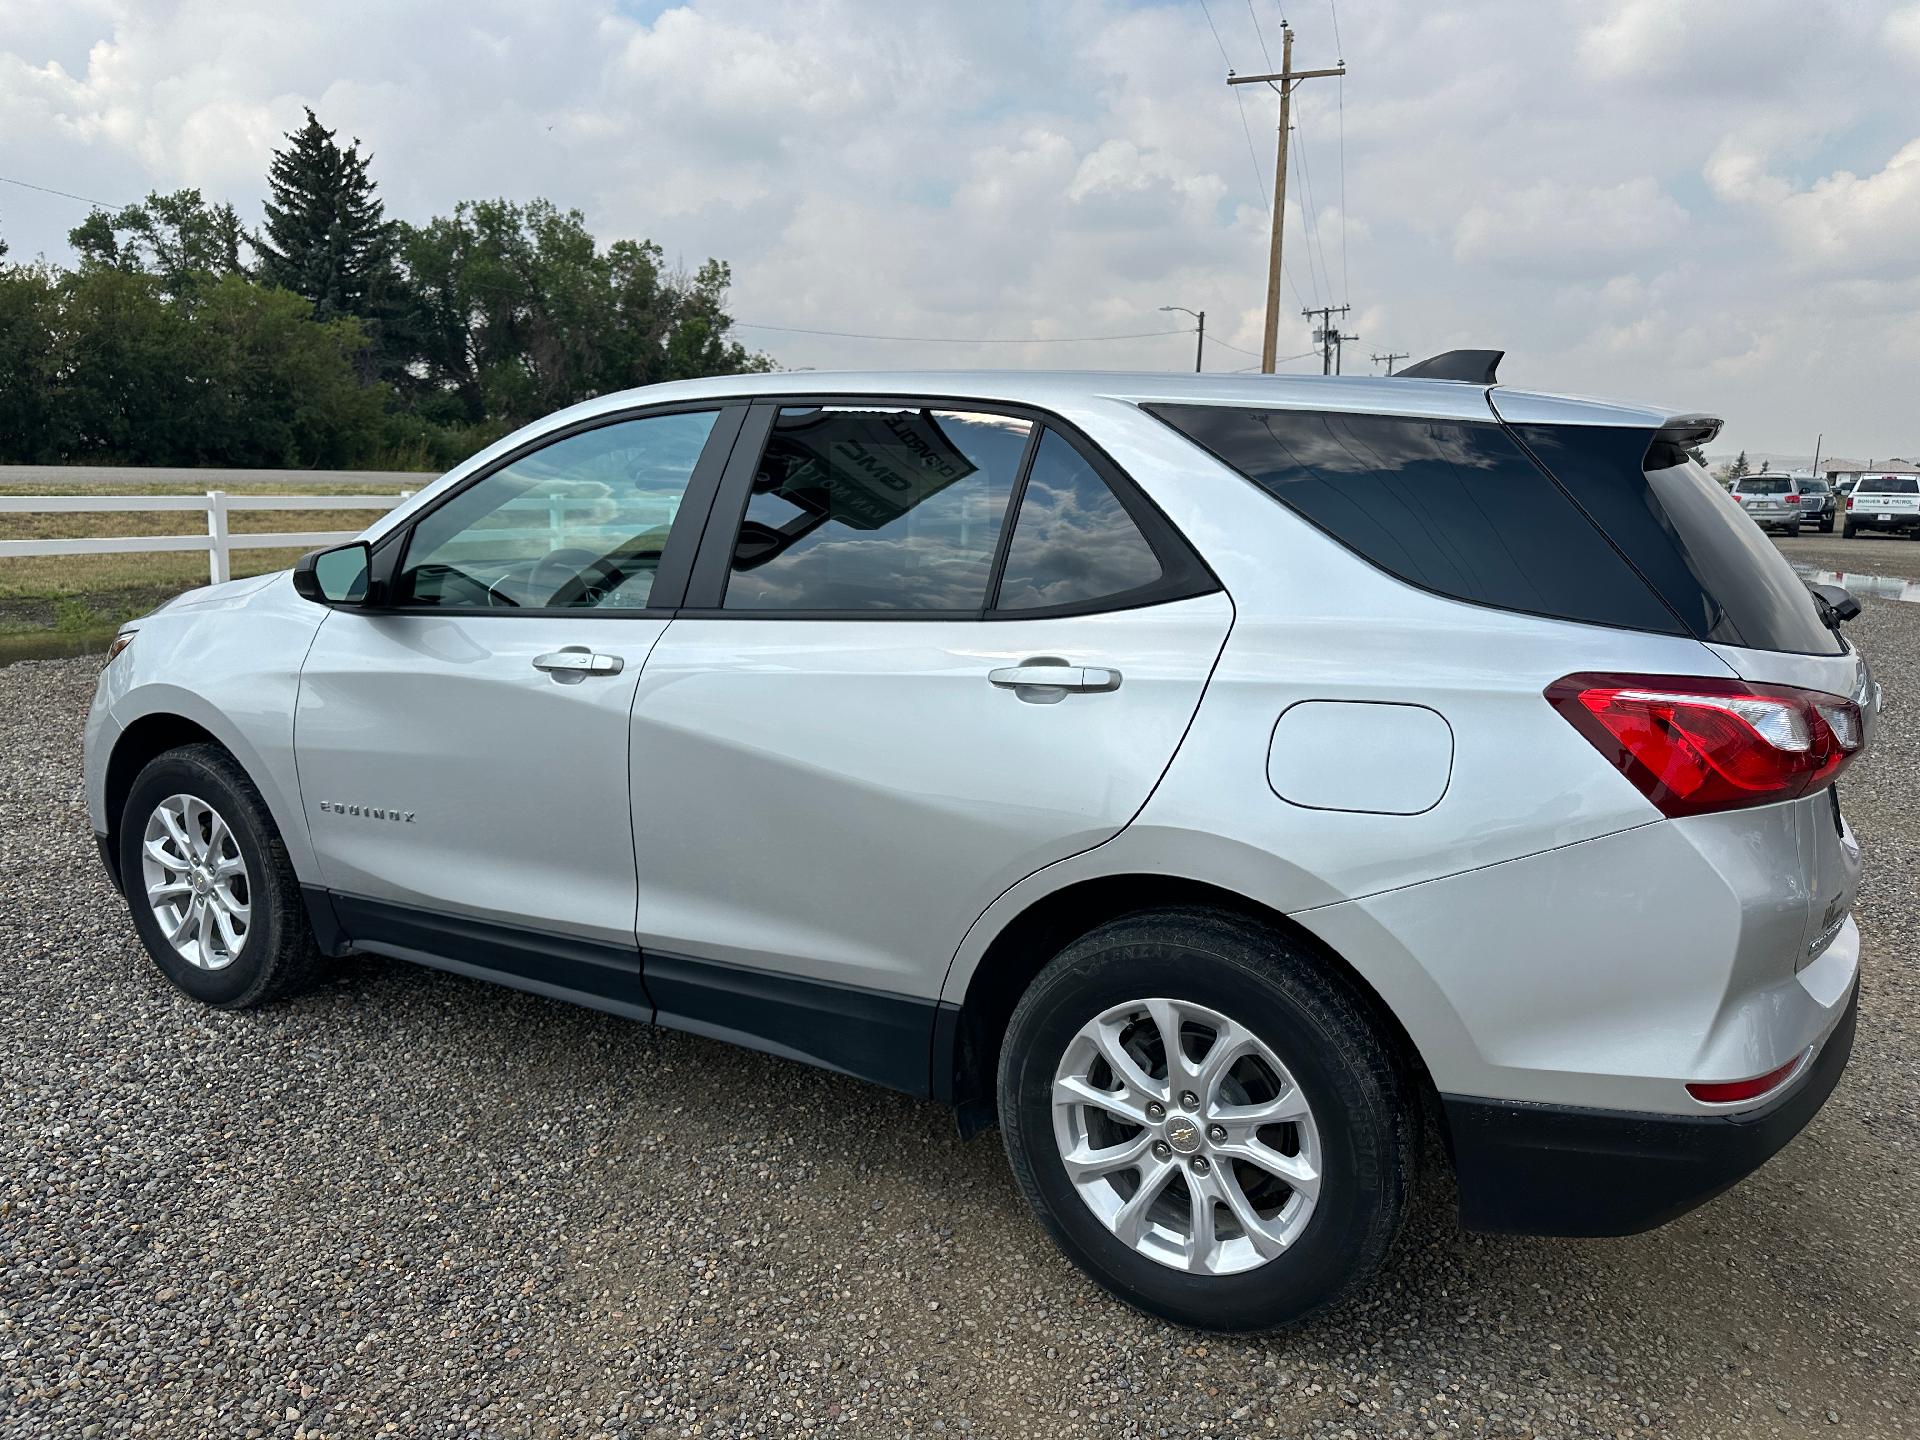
55,644
1884,587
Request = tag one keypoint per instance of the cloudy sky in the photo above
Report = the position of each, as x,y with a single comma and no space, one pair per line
1714,203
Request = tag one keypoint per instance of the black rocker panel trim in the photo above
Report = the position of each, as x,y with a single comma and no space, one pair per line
868,1034
567,967
888,1039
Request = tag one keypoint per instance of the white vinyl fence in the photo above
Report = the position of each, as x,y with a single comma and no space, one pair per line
218,543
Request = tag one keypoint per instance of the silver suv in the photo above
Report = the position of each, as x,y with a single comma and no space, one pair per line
1219,782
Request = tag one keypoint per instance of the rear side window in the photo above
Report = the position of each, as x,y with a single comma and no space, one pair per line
1073,541
1689,537
1890,485
1455,507
876,508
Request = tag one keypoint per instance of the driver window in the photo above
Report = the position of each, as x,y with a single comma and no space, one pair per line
578,524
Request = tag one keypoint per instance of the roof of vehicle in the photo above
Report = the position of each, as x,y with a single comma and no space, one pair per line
1060,389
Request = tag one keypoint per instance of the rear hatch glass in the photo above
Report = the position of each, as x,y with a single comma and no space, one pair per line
1718,571
1761,485
1635,534
1889,485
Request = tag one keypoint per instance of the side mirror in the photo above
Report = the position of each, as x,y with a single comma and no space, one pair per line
1836,603
335,577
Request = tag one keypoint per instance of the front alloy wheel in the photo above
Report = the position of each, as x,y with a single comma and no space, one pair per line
212,894
1186,1136
196,882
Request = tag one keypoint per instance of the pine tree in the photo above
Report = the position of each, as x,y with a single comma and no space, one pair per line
326,236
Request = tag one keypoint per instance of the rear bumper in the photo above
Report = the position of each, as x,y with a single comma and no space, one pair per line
1861,520
1530,1169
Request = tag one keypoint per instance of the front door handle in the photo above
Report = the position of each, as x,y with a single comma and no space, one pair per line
1057,678
573,663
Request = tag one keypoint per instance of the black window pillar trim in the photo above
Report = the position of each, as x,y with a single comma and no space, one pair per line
1184,574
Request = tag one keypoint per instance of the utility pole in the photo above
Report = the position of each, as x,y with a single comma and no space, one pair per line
1328,336
1284,82
1389,357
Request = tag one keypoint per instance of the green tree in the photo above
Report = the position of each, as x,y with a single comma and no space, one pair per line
178,238
29,361
1740,467
518,311
326,237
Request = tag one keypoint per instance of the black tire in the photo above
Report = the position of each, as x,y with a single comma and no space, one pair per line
1826,526
1847,532
1276,987
278,956
1793,531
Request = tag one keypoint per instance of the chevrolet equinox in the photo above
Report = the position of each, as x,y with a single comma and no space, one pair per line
1222,783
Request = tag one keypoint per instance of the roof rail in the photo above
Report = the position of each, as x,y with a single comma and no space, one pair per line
1475,367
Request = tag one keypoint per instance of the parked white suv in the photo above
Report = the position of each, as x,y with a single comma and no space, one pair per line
1884,502
1216,780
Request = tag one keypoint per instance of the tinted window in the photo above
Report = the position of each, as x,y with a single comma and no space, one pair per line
1813,487
1890,485
1073,541
1453,506
1687,535
1761,485
577,524
876,508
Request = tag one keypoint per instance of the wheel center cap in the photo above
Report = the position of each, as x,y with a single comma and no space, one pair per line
202,882
1183,1134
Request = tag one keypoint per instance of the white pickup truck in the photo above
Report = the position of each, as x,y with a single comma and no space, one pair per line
1884,502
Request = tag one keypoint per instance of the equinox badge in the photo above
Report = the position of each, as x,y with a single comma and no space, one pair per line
367,812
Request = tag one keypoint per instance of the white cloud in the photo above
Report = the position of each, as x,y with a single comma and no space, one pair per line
1563,229
1703,202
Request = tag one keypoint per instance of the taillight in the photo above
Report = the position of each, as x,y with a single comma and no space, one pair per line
1793,499
1849,502
1693,745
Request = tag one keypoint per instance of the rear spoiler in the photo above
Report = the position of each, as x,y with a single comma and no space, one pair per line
1688,431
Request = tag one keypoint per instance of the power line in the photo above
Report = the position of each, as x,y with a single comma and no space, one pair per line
1312,212
1237,349
49,190
955,339
1260,34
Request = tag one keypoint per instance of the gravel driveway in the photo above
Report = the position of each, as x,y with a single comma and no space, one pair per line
413,1204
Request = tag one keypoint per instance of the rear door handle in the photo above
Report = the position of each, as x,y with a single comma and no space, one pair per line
1055,677
573,663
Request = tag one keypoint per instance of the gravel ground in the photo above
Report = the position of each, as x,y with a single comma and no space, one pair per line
413,1204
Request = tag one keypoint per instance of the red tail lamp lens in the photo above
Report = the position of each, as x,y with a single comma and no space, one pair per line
1735,1090
1697,744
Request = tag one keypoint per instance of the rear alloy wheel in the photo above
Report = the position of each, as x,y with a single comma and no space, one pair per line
1207,1164
1206,1120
